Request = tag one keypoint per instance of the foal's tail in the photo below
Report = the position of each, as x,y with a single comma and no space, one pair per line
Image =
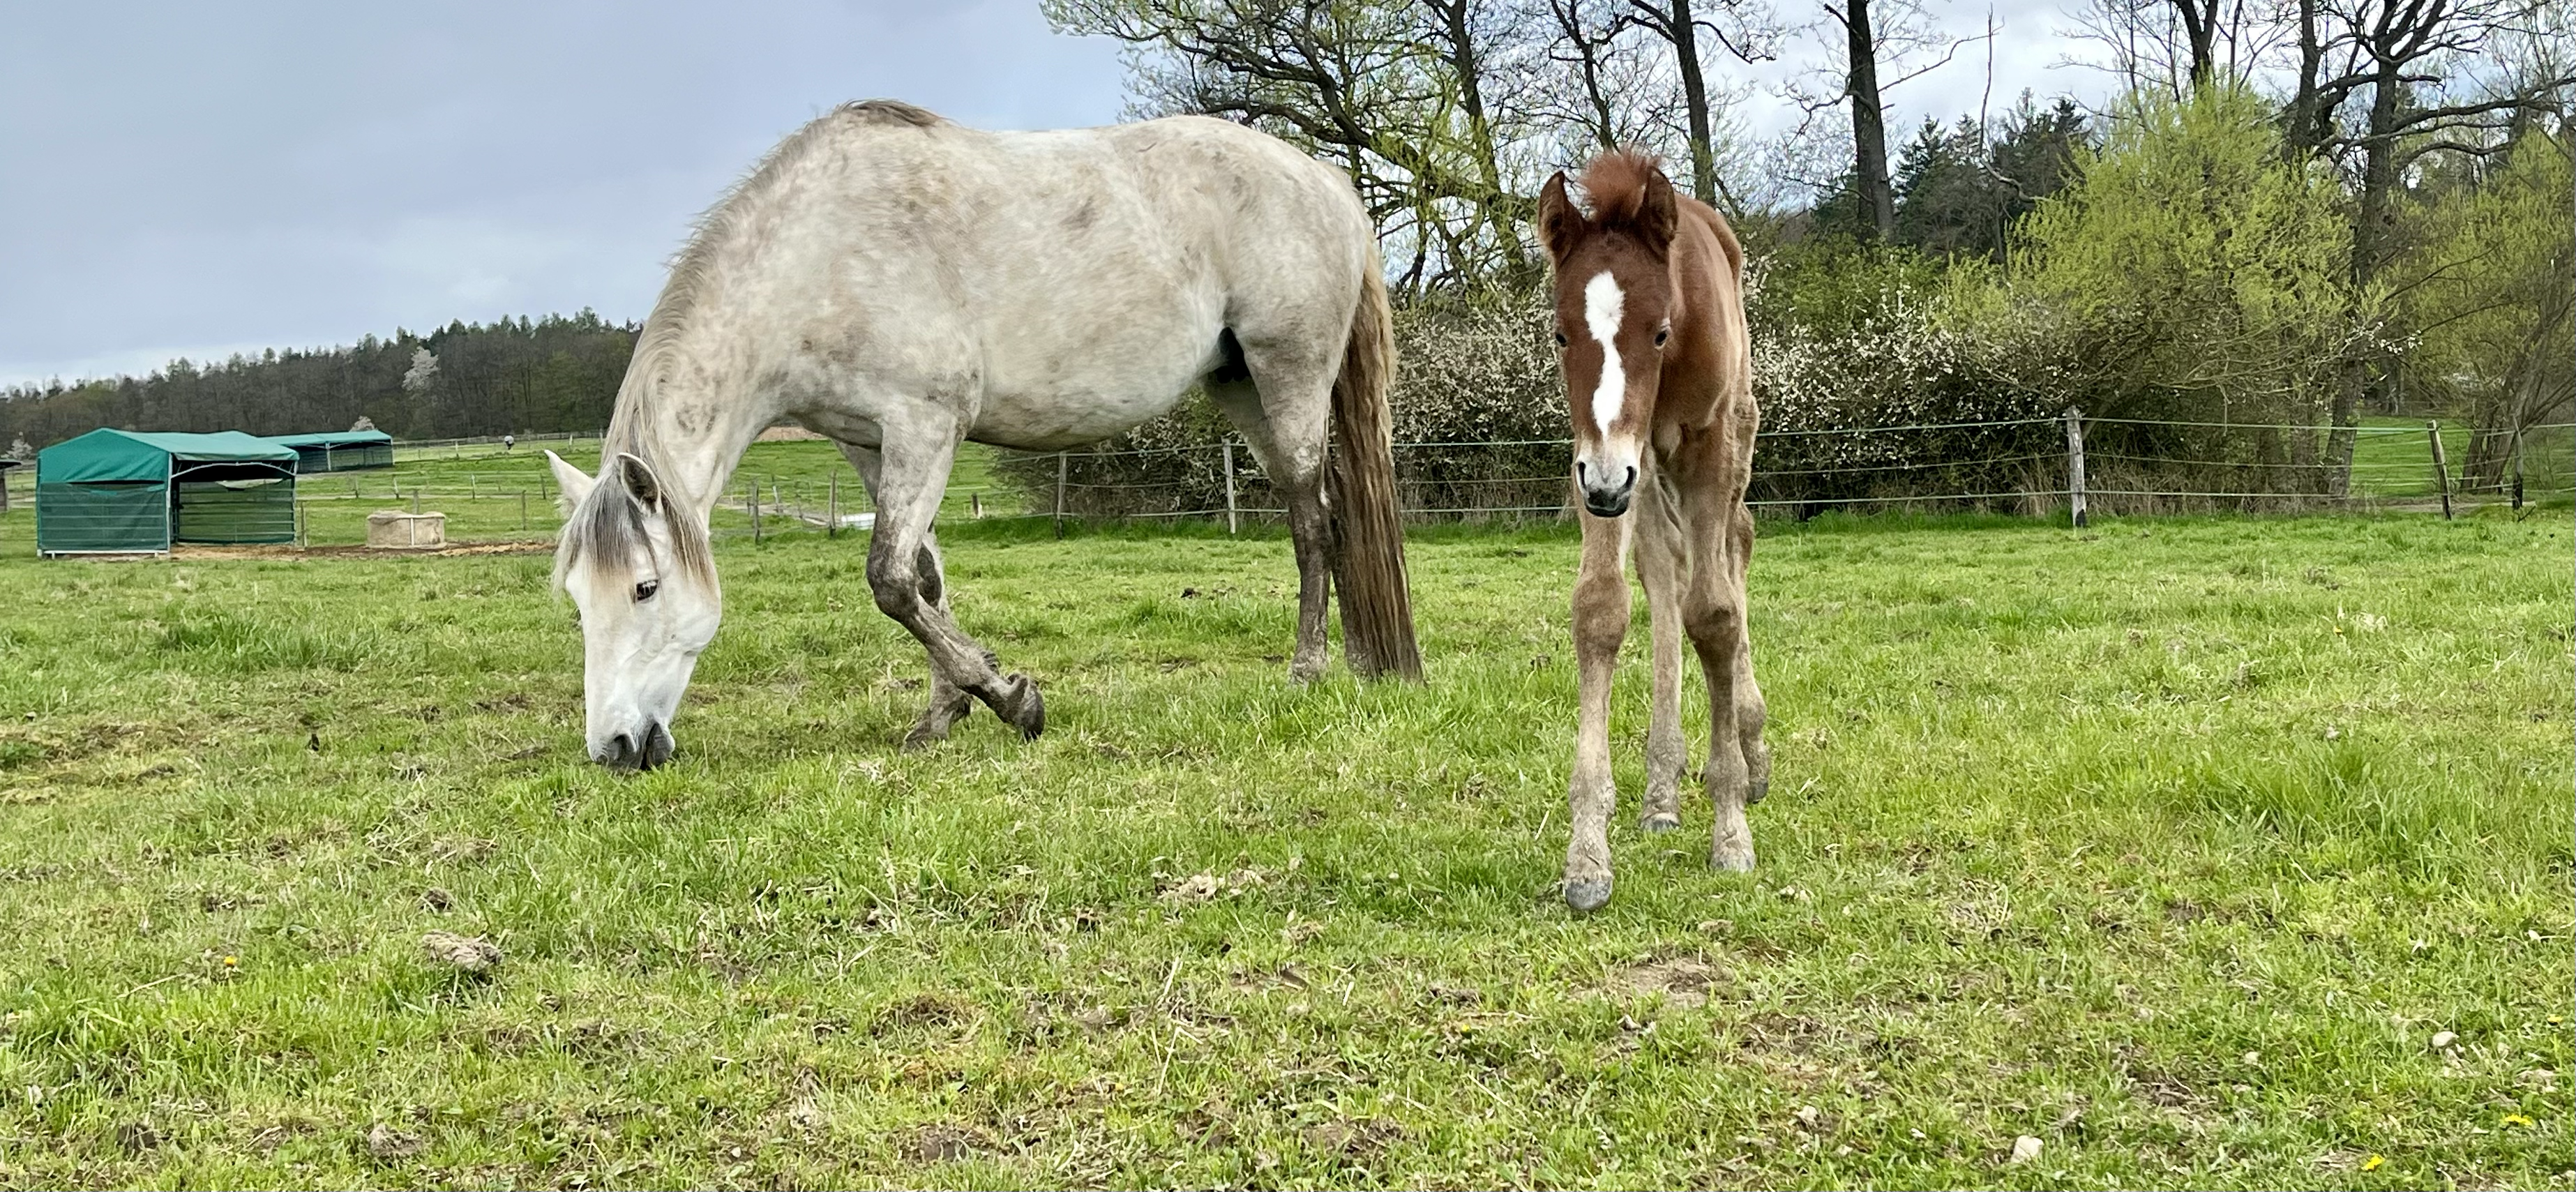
1368,538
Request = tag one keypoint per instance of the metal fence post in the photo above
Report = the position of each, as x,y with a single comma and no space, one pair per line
753,501
523,511
1062,462
2441,468
2075,466
832,509
1229,488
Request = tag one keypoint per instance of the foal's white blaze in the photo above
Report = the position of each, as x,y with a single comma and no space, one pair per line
1603,303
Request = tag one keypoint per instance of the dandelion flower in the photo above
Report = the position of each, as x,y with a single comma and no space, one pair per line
2372,1163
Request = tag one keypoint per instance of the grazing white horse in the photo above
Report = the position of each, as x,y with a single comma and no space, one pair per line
902,284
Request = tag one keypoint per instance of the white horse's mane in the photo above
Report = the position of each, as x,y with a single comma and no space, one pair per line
608,526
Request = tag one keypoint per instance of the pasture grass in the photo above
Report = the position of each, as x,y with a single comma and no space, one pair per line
2171,844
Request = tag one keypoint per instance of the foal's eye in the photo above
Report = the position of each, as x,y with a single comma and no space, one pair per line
1560,339
644,591
1662,334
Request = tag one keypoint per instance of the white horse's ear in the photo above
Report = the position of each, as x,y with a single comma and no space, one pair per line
640,482
571,483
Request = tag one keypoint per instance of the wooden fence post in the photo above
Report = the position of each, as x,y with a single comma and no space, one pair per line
523,511
832,509
2075,466
1062,462
1229,487
2441,467
753,502
2517,475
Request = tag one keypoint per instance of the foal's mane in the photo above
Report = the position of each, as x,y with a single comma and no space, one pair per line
1615,182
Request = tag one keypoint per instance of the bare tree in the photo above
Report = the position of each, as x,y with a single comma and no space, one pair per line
1870,183
1747,39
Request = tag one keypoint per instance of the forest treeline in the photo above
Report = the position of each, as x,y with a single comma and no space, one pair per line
557,373
2292,214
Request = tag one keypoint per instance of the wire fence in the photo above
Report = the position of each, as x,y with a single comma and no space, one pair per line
2030,466
492,490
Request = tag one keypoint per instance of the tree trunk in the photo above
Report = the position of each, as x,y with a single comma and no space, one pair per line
1685,39
1869,125
1480,132
2302,132
2200,25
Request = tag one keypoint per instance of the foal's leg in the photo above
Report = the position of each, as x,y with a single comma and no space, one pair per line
1713,615
903,567
1664,566
949,703
1600,624
1280,406
1750,711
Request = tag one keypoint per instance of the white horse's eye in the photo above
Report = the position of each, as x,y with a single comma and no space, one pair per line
644,591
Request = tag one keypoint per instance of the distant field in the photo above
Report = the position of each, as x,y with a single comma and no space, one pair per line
479,487
2175,845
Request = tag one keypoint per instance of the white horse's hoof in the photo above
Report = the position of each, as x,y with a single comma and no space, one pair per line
1587,895
1738,859
1023,708
1661,821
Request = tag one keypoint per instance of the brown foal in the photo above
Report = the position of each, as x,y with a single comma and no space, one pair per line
1659,377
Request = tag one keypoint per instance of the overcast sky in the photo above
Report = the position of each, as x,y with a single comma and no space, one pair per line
195,179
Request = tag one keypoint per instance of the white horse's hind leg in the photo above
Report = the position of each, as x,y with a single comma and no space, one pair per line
903,571
1281,411
949,703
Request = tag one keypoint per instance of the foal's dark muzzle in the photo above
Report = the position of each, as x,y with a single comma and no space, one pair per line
1602,496
624,754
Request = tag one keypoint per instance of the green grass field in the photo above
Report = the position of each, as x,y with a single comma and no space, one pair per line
2175,845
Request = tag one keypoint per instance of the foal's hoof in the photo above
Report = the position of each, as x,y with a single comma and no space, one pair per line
1023,709
1588,894
1661,821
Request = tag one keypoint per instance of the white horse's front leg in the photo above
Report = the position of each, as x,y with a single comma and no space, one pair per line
1601,610
903,571
949,703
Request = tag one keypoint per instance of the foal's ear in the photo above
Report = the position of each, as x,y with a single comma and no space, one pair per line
571,483
639,480
1559,224
1658,213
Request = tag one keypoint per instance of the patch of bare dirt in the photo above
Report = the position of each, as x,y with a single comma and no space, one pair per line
944,1143
1684,981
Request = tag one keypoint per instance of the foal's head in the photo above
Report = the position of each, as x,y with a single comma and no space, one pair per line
1614,299
636,564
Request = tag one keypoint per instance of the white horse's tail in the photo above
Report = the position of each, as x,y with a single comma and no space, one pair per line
1368,538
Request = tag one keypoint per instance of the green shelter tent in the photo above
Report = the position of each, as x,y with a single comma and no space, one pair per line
122,491
340,451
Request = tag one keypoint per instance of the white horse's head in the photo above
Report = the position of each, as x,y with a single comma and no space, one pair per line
636,564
